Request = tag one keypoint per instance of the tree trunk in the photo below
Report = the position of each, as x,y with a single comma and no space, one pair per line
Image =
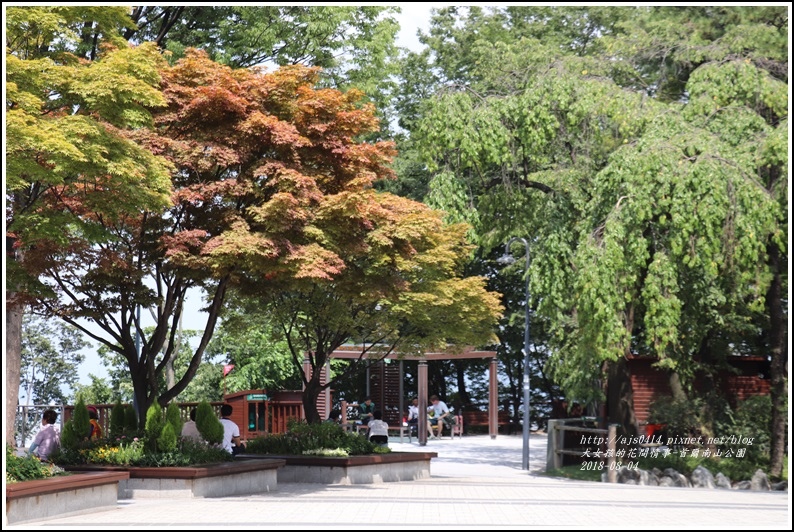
620,398
463,393
310,395
13,360
675,386
778,372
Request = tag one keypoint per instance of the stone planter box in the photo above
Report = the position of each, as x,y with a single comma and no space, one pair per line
241,477
34,500
366,469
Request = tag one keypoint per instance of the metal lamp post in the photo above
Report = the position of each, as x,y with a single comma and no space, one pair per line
507,258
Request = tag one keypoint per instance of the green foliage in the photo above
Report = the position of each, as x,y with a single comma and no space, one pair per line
69,437
22,468
641,149
173,416
154,425
251,342
302,437
694,417
753,419
50,359
683,418
80,421
130,419
117,425
100,391
166,442
208,424
132,452
736,469
189,453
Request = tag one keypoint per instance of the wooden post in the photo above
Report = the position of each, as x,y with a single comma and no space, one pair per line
421,426
553,458
402,398
612,474
493,396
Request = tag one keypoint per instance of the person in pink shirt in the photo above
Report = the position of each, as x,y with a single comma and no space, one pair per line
47,440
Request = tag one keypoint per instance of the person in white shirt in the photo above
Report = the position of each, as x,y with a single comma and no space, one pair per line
378,429
413,416
440,411
231,432
189,429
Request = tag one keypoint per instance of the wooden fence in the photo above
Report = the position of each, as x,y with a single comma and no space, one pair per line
28,420
603,440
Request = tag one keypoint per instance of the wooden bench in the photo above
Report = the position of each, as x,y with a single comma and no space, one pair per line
478,418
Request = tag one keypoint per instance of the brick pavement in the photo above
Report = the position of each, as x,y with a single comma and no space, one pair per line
476,483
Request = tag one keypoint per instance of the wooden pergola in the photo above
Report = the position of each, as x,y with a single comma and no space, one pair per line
354,352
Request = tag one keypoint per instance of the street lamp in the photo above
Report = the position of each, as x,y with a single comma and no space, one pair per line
507,258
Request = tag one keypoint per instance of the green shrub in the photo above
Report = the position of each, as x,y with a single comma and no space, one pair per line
69,439
133,453
22,468
208,424
166,442
683,419
154,425
117,419
80,420
130,420
753,418
173,416
302,437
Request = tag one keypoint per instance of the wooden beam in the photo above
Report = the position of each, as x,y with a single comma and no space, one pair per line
348,352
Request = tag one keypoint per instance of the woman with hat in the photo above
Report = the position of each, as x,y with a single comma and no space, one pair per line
96,430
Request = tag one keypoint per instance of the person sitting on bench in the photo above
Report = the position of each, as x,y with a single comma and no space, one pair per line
439,411
366,410
413,417
378,429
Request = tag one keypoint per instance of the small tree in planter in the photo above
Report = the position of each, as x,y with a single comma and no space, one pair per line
154,426
130,420
173,416
167,440
117,419
80,420
208,424
74,434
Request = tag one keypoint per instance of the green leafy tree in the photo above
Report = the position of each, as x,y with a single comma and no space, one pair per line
50,358
64,122
247,339
643,157
208,424
354,45
101,391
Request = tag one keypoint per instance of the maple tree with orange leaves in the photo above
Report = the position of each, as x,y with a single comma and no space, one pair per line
272,193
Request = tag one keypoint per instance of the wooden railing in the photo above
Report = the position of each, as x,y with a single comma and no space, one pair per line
605,439
281,413
29,416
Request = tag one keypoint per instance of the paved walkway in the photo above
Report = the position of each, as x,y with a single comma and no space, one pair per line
476,483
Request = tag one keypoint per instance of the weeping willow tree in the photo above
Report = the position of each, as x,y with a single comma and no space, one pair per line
646,159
